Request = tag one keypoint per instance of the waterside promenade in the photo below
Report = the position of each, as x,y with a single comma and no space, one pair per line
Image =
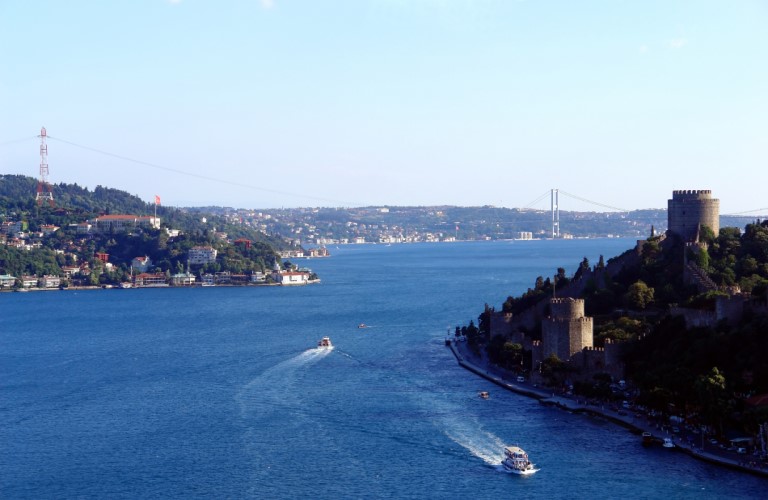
631,421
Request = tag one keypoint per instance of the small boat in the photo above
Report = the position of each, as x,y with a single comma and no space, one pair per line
516,461
668,443
362,325
325,343
647,439
484,394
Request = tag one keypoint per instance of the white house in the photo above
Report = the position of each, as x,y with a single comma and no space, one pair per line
29,281
291,277
201,255
7,281
183,279
49,282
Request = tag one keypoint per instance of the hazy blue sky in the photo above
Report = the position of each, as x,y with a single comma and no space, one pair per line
258,104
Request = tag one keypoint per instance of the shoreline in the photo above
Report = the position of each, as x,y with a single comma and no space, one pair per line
629,422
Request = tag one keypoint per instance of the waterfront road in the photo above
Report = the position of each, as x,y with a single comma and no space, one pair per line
691,444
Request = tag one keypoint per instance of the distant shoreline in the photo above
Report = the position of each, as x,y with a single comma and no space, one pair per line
115,287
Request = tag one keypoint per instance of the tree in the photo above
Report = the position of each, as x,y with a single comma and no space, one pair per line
710,389
639,295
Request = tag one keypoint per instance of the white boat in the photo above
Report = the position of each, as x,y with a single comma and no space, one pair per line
325,343
668,443
516,461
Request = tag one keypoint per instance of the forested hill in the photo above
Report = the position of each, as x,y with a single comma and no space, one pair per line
74,203
35,251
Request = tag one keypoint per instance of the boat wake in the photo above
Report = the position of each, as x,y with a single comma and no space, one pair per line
484,445
272,388
463,429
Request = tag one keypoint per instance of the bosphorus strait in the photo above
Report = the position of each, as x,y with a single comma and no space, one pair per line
219,392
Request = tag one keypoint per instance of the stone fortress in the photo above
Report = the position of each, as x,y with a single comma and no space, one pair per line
688,210
566,332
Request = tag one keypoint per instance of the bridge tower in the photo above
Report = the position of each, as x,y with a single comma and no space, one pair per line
555,202
43,188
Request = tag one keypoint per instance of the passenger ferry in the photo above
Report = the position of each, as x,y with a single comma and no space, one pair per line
516,461
325,343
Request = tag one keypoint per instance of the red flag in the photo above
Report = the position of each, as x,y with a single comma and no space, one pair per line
157,200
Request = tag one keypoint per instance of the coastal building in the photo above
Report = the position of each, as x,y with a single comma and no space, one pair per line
151,280
317,252
70,270
183,279
688,210
7,281
120,223
29,281
201,255
291,277
258,277
49,281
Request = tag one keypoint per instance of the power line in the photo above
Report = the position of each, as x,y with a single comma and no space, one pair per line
199,176
16,141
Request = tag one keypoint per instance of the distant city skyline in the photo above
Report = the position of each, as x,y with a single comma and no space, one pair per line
290,103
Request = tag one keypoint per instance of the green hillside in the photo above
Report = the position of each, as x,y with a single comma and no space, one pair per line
46,254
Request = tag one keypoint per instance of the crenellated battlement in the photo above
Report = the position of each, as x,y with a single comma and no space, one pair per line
692,193
566,308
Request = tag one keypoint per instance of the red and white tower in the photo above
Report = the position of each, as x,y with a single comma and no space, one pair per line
43,188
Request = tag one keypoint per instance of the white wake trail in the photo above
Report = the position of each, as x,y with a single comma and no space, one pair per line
482,444
273,388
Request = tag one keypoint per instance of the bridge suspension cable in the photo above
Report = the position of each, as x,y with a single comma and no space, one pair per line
747,213
542,197
594,202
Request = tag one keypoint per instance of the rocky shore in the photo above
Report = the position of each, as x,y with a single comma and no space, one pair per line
635,423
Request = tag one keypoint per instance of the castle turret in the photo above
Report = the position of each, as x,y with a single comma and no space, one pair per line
690,209
566,331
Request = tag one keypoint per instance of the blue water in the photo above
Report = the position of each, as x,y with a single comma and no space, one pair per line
217,392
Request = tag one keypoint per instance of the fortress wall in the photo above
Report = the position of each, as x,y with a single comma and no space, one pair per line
565,337
580,335
501,324
730,308
613,352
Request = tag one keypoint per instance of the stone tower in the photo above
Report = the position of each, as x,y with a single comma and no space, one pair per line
566,331
690,208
